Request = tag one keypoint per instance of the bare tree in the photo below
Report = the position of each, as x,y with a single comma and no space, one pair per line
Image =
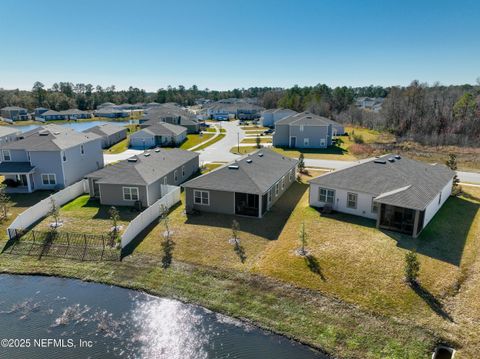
114,217
4,202
54,212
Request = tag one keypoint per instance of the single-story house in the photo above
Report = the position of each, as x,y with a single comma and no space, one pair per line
9,134
110,133
139,179
401,194
303,130
171,113
271,116
75,114
110,112
51,115
157,135
249,186
14,113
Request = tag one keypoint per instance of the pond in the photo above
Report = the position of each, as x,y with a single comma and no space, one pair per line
79,126
66,318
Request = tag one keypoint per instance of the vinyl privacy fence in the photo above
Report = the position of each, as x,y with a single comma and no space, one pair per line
41,209
171,196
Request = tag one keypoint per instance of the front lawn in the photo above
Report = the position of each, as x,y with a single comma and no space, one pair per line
194,139
254,140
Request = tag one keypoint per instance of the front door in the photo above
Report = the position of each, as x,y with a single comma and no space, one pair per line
293,142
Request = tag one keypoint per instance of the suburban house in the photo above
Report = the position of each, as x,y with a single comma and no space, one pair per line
14,113
156,135
75,114
370,103
49,157
39,110
399,193
171,114
110,133
9,134
106,104
226,109
303,130
249,186
51,115
139,179
270,117
110,112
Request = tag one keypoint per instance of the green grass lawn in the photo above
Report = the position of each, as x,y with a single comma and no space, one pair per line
122,145
254,140
243,150
253,128
195,139
349,297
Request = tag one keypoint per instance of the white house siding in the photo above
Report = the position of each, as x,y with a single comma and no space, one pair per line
267,119
364,201
434,206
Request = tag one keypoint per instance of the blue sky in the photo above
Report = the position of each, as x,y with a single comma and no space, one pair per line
227,44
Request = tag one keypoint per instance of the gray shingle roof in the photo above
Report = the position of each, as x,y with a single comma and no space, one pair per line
13,108
51,113
305,118
15,167
264,170
164,129
106,129
403,182
50,138
5,131
74,111
146,170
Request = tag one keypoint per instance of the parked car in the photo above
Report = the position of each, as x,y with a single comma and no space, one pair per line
268,132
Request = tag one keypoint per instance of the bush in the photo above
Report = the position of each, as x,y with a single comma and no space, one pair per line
358,139
412,267
361,150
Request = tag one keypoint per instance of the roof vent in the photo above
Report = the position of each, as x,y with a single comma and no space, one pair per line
132,159
233,167
397,157
157,150
146,154
260,154
43,133
382,162
391,159
249,160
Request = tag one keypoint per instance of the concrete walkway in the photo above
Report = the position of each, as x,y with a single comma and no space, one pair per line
110,158
217,133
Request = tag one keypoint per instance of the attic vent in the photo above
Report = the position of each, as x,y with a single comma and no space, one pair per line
260,154
397,157
233,167
382,162
249,160
391,159
132,159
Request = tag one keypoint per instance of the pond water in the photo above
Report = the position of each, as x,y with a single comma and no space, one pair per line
79,126
97,321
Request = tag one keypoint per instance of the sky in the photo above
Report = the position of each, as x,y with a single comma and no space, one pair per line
229,44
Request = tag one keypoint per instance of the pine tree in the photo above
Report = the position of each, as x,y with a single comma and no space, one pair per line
452,164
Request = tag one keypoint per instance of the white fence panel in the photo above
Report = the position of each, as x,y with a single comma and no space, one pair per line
171,196
41,209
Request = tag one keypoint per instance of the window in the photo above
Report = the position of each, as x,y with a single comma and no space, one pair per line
326,195
283,182
306,142
270,195
6,155
183,171
201,197
165,180
301,128
276,189
130,194
352,200
82,150
64,157
175,176
374,206
49,179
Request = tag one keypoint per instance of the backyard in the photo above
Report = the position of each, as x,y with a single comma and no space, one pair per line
350,260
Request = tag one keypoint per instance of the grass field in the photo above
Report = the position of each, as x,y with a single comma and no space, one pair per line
254,140
348,296
195,139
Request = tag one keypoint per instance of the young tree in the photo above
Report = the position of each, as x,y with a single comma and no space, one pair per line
54,212
4,202
302,235
452,164
114,217
235,231
258,142
412,267
239,250
167,244
301,163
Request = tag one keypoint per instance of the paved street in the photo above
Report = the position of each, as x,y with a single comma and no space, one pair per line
220,151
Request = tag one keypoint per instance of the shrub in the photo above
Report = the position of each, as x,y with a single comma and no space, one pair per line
358,139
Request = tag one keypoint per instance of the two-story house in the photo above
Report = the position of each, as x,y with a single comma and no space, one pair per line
49,157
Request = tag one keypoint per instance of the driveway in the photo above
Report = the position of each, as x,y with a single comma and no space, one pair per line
220,151
110,158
